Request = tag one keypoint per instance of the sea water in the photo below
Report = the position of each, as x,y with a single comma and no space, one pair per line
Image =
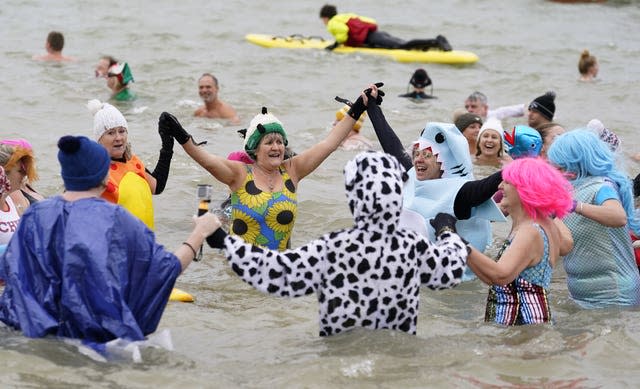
233,336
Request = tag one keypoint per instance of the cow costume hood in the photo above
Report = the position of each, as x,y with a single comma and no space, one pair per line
373,183
368,275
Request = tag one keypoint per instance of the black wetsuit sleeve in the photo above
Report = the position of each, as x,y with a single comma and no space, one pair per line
388,139
474,193
161,172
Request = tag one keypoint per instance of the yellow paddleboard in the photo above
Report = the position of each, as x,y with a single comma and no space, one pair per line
181,295
454,57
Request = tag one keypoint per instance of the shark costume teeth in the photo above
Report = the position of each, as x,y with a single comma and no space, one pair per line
449,147
428,197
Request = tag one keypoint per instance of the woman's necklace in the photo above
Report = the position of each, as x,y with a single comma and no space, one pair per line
269,176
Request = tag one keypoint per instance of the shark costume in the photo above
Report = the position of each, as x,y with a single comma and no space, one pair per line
455,192
368,275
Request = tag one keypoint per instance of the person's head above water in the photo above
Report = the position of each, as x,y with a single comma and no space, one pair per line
261,125
522,141
420,79
328,11
477,103
542,189
84,163
441,152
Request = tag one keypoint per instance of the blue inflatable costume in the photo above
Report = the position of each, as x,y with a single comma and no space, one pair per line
455,192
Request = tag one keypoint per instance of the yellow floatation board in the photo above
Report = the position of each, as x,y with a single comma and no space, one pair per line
181,295
454,57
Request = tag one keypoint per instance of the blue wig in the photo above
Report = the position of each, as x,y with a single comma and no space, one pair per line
581,152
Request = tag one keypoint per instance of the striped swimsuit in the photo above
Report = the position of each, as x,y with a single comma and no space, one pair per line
524,300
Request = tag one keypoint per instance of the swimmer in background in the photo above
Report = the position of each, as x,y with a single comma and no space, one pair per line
119,78
549,132
103,65
419,81
478,103
588,67
213,107
469,125
354,140
54,45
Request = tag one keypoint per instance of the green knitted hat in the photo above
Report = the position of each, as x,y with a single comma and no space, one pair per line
261,125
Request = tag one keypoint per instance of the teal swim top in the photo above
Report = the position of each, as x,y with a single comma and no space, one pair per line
125,95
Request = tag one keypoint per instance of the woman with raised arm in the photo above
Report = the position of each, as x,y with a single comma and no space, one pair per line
264,198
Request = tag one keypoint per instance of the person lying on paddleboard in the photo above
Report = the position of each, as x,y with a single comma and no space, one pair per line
350,29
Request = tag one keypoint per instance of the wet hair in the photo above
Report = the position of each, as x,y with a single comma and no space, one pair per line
478,96
544,129
112,61
215,80
328,11
55,40
581,152
543,190
586,62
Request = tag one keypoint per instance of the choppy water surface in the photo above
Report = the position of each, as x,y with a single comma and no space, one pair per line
236,337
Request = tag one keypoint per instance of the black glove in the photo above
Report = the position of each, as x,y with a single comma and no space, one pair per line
443,222
358,107
168,124
165,136
332,46
216,240
380,93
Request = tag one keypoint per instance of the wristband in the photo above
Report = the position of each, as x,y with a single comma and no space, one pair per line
195,254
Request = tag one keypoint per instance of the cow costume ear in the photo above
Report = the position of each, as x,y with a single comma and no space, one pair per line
350,172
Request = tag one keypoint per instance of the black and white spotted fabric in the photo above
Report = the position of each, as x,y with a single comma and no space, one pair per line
368,275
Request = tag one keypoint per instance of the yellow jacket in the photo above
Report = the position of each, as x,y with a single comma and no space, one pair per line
351,29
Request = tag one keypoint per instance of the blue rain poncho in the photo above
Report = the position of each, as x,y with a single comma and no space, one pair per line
85,269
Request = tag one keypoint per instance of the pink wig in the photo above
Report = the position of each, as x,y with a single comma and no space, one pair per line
17,143
543,190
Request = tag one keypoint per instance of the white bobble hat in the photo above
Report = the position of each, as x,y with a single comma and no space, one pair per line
491,124
105,117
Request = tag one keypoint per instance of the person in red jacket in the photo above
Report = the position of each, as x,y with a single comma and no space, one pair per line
356,31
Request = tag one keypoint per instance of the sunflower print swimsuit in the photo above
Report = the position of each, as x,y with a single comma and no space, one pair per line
264,218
